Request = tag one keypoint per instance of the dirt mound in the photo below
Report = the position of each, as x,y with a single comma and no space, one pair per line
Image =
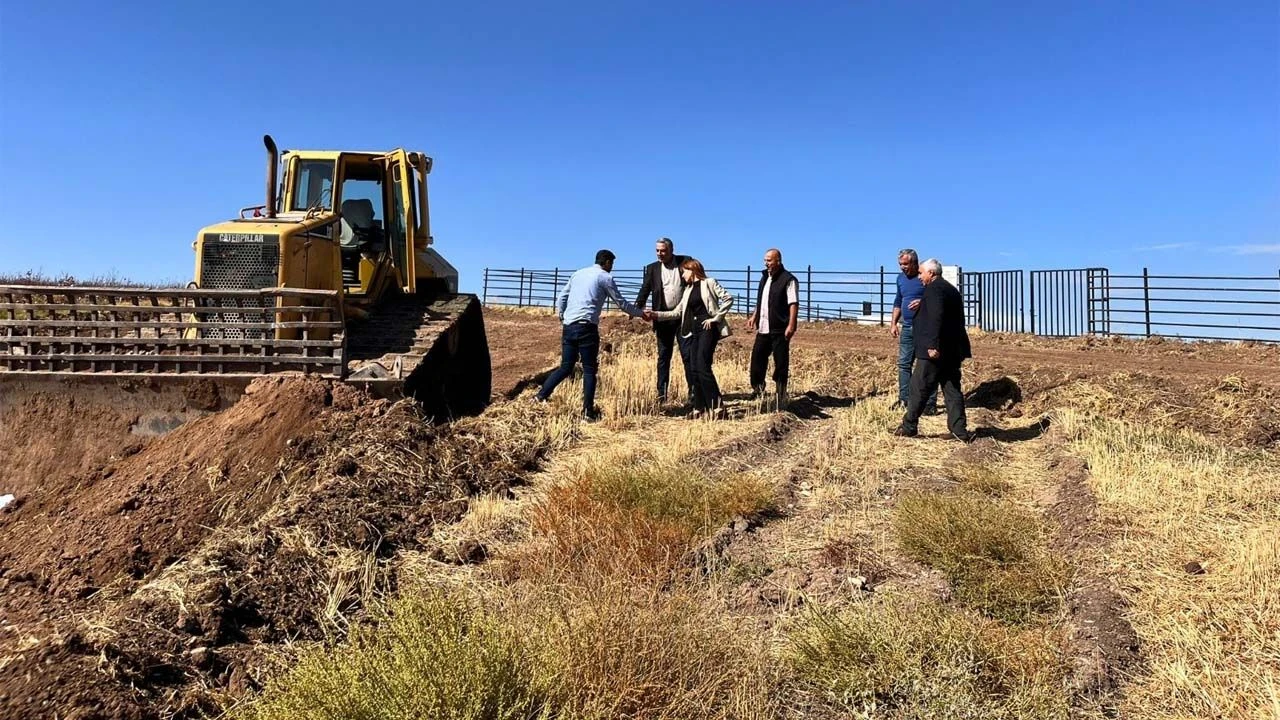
144,505
999,394
321,488
1231,409
113,507
55,430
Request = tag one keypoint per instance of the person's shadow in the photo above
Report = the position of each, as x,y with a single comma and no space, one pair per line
1022,434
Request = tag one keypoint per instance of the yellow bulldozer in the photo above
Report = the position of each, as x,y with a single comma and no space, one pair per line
334,275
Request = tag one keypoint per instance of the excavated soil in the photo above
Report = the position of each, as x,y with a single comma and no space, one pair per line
164,581
133,509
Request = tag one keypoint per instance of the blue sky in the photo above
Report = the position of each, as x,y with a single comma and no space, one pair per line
993,135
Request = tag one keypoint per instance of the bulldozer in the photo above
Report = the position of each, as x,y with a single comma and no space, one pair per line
333,275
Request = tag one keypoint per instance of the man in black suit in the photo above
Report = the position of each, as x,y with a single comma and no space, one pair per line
941,345
663,280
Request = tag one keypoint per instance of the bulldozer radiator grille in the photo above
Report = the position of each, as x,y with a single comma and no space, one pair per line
239,266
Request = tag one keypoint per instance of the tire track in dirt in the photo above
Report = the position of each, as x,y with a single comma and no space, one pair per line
1104,648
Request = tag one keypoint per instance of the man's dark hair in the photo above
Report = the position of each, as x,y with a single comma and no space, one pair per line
604,256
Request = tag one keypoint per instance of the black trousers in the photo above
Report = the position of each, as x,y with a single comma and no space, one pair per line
776,344
706,391
668,334
925,379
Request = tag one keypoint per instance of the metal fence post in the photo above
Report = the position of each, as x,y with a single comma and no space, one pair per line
485,292
979,291
746,290
1022,315
520,292
881,296
555,297
1146,299
808,293
1031,286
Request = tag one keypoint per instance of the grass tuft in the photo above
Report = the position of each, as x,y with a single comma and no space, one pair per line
994,553
923,661
434,657
618,652
638,520
982,479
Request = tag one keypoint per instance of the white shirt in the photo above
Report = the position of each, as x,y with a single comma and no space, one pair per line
672,288
793,296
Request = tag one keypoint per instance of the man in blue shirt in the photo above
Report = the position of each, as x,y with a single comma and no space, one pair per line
905,304
579,306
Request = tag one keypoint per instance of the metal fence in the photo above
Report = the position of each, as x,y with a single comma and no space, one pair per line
994,300
1054,303
824,294
1196,307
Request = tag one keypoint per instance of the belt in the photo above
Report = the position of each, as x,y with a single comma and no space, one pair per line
582,322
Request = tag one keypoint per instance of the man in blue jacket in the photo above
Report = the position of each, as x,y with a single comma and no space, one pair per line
579,306
905,305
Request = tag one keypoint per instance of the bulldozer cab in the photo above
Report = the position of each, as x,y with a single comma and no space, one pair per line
380,200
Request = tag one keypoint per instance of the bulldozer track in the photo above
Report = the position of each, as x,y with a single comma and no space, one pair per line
431,349
405,328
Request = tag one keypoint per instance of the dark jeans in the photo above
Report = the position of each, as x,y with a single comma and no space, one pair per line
579,341
776,344
906,356
668,334
925,379
706,391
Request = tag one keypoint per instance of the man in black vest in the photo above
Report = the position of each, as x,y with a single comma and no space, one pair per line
774,323
941,345
664,281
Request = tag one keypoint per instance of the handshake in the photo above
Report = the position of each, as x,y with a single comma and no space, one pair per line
646,315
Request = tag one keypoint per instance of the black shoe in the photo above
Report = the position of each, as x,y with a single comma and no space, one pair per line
931,411
591,415
904,432
898,405
965,437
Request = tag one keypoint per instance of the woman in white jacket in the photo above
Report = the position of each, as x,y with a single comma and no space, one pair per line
702,312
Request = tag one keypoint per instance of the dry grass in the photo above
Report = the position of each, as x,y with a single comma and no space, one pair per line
994,553
635,514
596,623
609,652
625,389
1229,411
434,657
894,659
1212,641
982,479
619,652
33,277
